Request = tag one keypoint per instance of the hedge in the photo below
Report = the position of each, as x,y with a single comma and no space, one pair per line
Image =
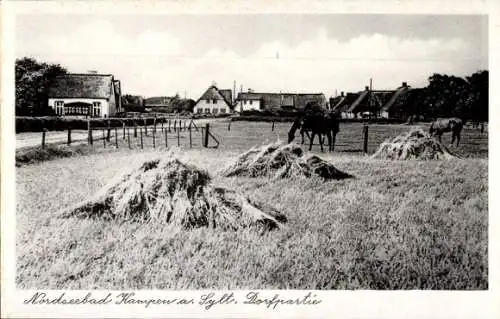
267,118
56,123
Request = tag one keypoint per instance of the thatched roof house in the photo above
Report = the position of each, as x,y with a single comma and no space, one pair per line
214,101
278,101
95,95
399,103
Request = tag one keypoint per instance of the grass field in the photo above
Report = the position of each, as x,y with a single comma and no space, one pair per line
396,225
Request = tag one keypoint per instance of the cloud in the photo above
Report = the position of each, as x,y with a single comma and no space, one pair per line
156,63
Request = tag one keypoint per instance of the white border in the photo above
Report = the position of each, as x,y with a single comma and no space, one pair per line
359,304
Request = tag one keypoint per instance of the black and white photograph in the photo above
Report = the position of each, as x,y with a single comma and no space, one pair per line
252,151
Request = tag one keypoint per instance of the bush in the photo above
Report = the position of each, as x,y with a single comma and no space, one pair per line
56,123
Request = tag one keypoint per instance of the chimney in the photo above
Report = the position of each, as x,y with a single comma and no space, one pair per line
92,72
405,84
342,93
250,90
367,88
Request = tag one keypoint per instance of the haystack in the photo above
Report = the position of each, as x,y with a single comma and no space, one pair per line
281,161
169,191
415,144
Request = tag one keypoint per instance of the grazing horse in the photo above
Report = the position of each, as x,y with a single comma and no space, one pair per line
453,125
318,124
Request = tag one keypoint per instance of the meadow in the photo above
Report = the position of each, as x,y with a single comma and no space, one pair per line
396,225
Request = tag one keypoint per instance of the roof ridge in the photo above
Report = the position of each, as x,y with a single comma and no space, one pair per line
85,74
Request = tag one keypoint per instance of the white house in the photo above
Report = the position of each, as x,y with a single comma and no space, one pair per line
214,101
89,95
249,101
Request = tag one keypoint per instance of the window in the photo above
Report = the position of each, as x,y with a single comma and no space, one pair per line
97,109
199,110
223,110
208,101
251,102
214,101
245,102
214,111
59,107
207,110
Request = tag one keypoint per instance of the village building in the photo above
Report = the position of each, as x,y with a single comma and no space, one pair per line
389,104
160,103
250,100
214,101
89,95
342,103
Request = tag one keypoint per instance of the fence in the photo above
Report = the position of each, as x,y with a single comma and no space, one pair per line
360,138
138,134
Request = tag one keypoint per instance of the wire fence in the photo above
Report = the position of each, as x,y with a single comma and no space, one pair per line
240,135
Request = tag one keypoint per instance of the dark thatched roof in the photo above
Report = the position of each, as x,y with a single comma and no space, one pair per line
286,100
228,94
96,86
342,103
158,101
213,93
400,92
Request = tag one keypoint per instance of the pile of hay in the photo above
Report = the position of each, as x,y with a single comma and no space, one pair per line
281,161
169,191
416,144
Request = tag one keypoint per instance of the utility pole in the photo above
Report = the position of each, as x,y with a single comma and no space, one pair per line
370,104
234,92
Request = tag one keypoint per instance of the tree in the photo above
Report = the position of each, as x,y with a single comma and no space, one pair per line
32,80
477,108
447,96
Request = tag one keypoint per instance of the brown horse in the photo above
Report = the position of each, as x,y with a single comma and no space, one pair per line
318,124
453,125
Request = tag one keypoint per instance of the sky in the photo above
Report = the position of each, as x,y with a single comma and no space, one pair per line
163,55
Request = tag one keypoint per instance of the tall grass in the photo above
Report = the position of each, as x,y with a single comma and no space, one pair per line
397,225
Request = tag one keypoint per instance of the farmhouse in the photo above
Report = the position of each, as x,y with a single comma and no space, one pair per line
394,104
277,101
160,103
341,104
404,102
94,95
214,101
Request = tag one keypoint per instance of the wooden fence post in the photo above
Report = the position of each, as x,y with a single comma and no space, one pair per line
207,129
89,133
135,128
108,137
365,138
169,122
166,139
104,138
154,125
128,137
175,125
229,126
142,145
178,137
69,135
154,138
145,127
162,126
123,130
272,128
190,139
44,131
116,137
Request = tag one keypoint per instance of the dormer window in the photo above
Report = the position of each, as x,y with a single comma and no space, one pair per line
214,101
